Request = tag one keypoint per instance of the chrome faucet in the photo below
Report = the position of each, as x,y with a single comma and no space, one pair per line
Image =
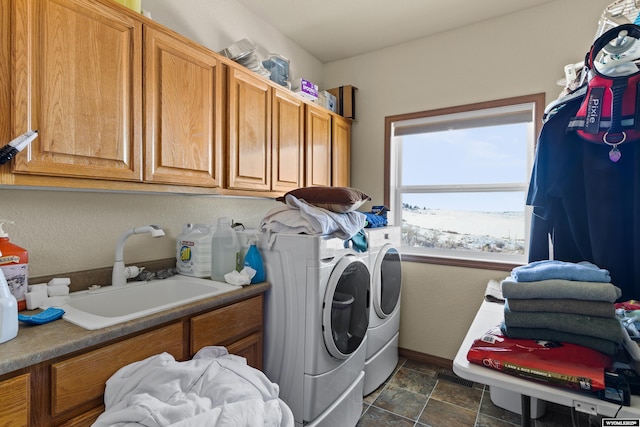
121,273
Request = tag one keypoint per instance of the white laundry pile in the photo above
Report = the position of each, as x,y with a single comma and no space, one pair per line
212,389
298,216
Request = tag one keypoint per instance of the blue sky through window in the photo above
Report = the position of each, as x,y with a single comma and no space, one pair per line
483,155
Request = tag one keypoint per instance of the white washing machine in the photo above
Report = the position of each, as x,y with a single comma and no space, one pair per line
316,322
384,316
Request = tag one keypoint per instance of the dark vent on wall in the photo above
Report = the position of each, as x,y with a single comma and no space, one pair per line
454,379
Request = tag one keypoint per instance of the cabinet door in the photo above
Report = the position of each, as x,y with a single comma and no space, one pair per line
249,131
340,152
182,97
288,142
15,407
5,73
77,79
318,146
250,348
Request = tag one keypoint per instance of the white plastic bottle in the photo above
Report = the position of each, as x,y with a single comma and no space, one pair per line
8,312
224,250
193,250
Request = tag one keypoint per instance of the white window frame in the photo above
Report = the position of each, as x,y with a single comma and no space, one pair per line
433,120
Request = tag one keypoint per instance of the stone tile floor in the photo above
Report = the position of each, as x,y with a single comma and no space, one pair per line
419,395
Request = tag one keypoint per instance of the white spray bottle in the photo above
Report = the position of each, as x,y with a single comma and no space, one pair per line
8,312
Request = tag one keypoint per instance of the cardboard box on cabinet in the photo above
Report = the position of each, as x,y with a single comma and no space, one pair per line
345,100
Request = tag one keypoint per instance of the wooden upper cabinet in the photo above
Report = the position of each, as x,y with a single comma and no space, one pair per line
183,104
77,79
287,141
249,131
340,152
318,147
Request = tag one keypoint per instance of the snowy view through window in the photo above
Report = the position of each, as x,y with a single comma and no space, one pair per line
461,182
498,232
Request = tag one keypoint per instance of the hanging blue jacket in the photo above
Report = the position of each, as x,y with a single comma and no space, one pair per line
587,205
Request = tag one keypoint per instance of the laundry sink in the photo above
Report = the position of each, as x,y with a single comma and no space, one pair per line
107,306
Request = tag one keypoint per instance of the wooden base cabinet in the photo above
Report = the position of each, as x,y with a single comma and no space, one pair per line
69,391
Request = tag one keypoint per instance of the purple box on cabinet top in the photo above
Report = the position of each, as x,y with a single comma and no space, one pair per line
307,89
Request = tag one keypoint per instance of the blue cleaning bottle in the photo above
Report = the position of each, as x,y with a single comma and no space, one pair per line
253,259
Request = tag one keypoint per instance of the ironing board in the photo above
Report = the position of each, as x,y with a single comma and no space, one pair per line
491,314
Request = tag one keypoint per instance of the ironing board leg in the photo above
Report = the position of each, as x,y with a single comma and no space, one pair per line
526,411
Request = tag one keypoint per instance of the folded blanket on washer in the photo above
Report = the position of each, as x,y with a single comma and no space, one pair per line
551,269
206,391
297,216
564,305
602,345
557,289
579,324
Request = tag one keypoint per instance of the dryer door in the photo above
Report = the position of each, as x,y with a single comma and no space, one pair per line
345,309
387,277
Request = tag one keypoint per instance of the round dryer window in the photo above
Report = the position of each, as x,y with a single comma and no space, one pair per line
387,281
345,314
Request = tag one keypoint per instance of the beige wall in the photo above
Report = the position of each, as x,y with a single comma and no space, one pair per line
217,24
68,231
513,55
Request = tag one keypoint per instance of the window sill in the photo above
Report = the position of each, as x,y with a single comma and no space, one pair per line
458,262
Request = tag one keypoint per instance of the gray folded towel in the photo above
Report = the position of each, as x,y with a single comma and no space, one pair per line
558,288
602,345
564,305
599,327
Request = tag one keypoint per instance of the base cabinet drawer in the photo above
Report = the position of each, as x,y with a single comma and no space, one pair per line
228,326
14,395
82,379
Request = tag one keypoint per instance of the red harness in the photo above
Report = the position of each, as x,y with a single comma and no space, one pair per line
610,112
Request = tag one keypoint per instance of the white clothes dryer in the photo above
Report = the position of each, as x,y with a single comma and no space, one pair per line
316,322
384,316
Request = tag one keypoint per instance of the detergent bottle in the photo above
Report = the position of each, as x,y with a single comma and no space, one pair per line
253,259
193,250
14,263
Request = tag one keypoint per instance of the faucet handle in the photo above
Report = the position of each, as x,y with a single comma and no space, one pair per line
132,271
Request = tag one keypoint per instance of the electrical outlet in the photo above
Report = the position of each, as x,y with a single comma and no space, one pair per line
586,408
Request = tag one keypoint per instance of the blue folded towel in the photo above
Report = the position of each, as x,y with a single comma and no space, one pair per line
374,220
550,269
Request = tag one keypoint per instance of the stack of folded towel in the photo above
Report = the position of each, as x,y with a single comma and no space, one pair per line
562,301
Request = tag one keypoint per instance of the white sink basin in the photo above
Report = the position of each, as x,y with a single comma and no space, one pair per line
107,306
